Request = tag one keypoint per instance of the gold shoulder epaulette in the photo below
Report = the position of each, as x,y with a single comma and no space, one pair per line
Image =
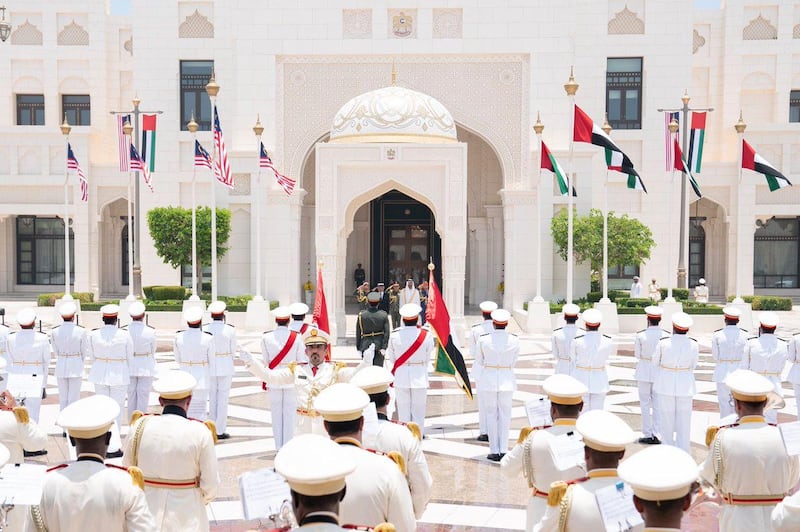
384,527
557,491
292,366
135,416
213,428
711,434
398,459
137,477
524,433
21,413
414,428
339,365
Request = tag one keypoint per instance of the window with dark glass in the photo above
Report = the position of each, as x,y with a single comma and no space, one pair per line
186,277
776,253
77,109
624,92
40,250
794,106
622,272
30,109
194,99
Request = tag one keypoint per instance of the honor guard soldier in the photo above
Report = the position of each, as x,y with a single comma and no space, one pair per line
676,359
497,353
663,480
766,354
399,437
88,494
372,328
644,348
572,506
532,457
747,462
701,291
299,311
478,330
221,368
279,349
793,352
176,456
563,338
144,358
194,353
591,352
377,490
727,347
409,354
68,342
29,354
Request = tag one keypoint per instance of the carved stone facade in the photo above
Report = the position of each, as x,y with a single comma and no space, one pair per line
73,34
28,34
697,41
196,26
759,29
626,22
448,23
357,23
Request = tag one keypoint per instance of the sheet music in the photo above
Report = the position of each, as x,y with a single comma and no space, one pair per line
790,432
616,507
24,385
567,450
262,492
538,411
21,484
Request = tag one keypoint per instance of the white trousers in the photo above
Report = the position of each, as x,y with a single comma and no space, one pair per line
411,403
218,393
482,428
33,404
198,408
69,390
498,420
117,393
139,394
647,400
725,400
283,406
797,398
593,401
675,417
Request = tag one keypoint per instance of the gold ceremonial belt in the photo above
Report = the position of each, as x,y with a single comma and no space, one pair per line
674,369
589,368
103,359
372,334
769,373
418,364
189,363
536,492
172,484
23,363
141,354
306,412
69,355
223,354
751,500
497,367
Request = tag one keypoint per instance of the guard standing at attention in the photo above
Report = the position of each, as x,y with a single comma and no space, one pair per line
644,348
372,328
194,352
484,327
68,341
221,369
143,368
29,354
563,338
591,352
727,348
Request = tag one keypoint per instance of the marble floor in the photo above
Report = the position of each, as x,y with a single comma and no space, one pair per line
469,492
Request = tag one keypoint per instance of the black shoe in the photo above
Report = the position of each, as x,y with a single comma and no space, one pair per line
654,441
63,434
115,454
28,454
502,455
493,457
223,436
483,437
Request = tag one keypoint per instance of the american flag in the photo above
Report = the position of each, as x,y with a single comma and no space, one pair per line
124,144
74,168
137,165
223,166
287,183
668,137
201,156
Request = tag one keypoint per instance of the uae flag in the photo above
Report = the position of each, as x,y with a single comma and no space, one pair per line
680,164
587,131
753,161
696,137
320,314
449,360
549,162
149,141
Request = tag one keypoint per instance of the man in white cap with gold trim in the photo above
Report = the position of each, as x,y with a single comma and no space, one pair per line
299,311
727,347
644,348
408,355
221,368
88,494
194,352
766,354
398,437
591,351
563,338
377,490
532,457
485,326
280,348
176,456
747,461
497,355
143,368
68,342
29,354
572,506
663,480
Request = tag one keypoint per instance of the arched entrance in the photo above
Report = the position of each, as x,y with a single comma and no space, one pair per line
708,244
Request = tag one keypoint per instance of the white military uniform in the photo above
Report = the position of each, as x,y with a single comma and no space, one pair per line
29,354
793,352
194,353
675,360
282,398
701,293
578,510
477,330
644,348
411,377
727,347
143,368
590,352
110,349
299,326
767,355
4,332
562,340
786,515
68,341
497,354
221,371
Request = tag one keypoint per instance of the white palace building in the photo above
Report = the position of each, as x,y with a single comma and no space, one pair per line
440,162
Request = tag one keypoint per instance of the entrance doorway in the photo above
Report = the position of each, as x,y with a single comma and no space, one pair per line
697,250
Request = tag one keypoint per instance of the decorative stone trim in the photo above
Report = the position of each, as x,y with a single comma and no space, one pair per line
759,29
27,34
128,46
73,35
796,32
357,23
626,22
448,23
402,23
196,26
697,41
241,185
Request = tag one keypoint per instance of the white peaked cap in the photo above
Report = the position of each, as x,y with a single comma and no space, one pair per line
67,309
136,309
89,417
193,315
314,465
604,431
659,473
342,401
174,384
768,319
571,309
298,308
217,307
564,390
592,316
682,321
488,306
109,310
281,313
373,379
410,310
26,316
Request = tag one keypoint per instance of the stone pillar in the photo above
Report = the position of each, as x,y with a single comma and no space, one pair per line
519,220
280,239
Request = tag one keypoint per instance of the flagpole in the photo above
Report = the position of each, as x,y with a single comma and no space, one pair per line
673,129
538,127
740,126
258,129
65,130
127,128
192,127
607,129
212,88
571,87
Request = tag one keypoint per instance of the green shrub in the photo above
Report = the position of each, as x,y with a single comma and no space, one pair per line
164,293
49,300
613,295
638,302
772,303
702,309
680,294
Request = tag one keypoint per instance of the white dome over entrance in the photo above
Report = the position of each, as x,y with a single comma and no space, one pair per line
394,114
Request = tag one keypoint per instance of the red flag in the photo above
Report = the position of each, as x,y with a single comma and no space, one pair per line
320,315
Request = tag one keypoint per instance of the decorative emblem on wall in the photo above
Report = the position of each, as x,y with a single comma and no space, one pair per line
402,25
390,154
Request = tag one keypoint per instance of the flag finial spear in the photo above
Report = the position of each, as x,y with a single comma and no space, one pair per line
431,266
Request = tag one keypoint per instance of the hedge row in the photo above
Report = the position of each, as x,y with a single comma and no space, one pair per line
49,300
164,293
767,302
176,305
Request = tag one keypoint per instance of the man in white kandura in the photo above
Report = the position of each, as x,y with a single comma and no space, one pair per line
194,352
221,369
766,354
409,295
637,289
68,342
485,326
727,348
644,348
143,368
591,352
563,338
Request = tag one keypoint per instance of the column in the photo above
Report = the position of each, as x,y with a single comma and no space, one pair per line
519,220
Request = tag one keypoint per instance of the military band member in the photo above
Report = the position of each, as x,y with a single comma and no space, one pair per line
532,457
478,330
727,347
786,515
29,354
766,354
563,338
143,367
676,359
377,490
572,507
299,311
279,349
497,355
194,352
221,368
793,352
88,494
68,342
176,456
747,462
399,437
644,348
590,352
372,328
